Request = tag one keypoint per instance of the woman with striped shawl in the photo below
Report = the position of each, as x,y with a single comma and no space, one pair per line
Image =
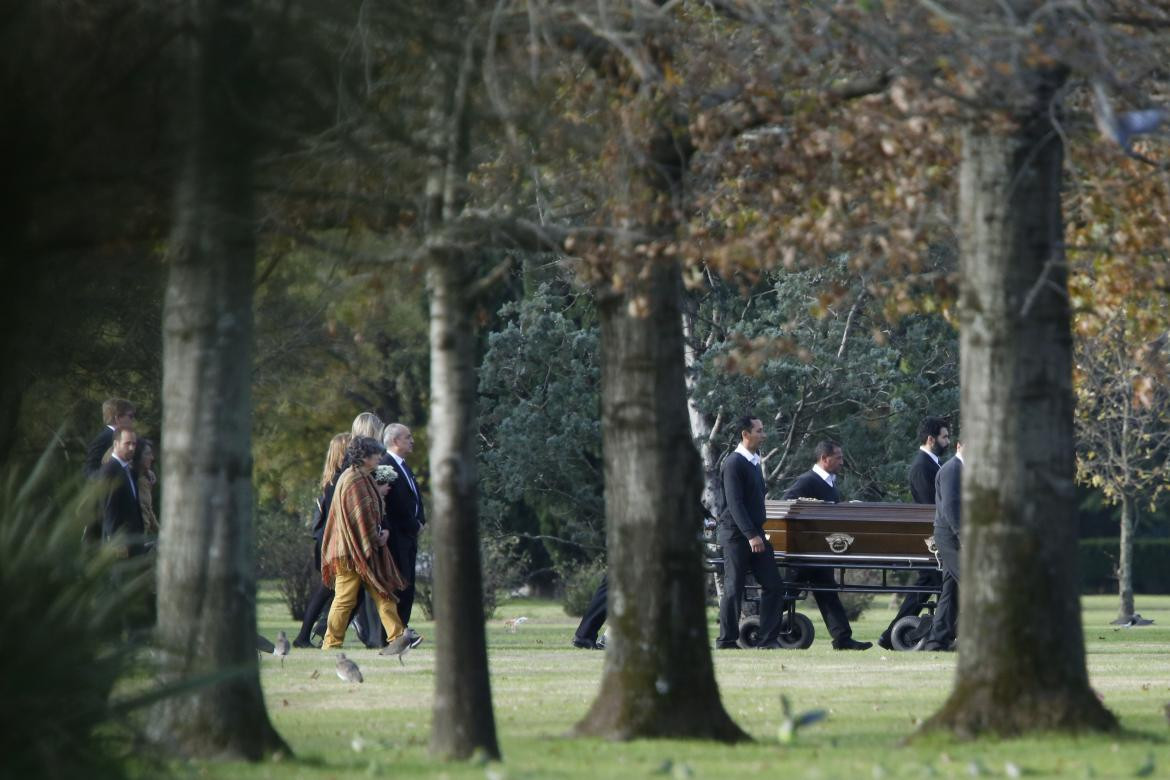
353,547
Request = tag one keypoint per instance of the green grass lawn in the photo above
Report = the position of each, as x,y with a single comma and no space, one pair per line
541,686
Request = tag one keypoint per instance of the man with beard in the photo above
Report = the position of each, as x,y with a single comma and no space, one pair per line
934,437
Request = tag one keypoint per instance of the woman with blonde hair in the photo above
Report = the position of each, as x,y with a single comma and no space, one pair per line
367,424
353,551
322,597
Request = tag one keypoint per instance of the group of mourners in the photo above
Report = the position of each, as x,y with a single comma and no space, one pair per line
365,540
370,512
122,465
365,526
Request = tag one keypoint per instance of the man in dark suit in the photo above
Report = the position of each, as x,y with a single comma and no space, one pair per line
949,498
116,413
405,515
121,512
820,482
934,437
740,531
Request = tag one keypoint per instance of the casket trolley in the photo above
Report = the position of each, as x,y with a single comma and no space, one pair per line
807,534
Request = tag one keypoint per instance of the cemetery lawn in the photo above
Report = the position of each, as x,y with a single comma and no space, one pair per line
541,686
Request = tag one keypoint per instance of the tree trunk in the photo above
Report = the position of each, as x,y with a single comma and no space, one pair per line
1021,664
206,572
1125,561
658,679
702,424
463,722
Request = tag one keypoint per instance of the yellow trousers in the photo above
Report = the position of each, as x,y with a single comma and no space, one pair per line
346,583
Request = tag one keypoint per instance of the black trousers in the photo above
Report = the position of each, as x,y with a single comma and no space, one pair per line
946,616
404,550
594,617
738,561
828,602
914,602
317,610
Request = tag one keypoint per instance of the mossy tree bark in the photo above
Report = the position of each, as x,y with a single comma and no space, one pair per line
658,680
206,572
1021,665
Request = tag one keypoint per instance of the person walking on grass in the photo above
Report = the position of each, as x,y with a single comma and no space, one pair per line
353,549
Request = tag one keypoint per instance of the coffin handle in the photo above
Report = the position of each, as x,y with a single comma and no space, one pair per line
839,542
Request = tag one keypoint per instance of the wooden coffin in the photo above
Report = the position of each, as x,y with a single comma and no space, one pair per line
854,533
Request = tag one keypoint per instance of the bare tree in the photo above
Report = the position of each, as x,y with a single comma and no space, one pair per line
1123,431
206,572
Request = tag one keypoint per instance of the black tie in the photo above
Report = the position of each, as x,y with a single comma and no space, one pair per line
130,476
413,486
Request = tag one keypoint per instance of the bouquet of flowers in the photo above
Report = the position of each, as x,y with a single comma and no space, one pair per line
385,475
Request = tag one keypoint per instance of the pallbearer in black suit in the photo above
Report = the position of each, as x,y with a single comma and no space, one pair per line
405,516
741,534
933,437
820,482
949,496
122,513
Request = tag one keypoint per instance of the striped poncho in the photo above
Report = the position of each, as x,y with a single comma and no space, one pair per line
351,532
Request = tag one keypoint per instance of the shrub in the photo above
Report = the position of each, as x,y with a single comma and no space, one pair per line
503,566
284,552
72,604
856,603
580,586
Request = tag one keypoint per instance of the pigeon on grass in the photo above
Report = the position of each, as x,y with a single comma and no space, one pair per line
402,645
280,647
347,670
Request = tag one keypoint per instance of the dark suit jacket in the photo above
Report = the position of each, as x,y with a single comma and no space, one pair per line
97,448
743,497
121,510
404,514
921,475
324,501
810,485
948,490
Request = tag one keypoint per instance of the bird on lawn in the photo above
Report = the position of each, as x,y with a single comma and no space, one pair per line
347,670
406,642
280,647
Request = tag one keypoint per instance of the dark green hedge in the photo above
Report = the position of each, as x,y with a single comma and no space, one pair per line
1151,568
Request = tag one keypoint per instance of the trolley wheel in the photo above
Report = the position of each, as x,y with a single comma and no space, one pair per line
909,633
795,634
749,632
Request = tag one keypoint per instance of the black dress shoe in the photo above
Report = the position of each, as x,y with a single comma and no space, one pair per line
727,646
585,644
937,647
885,643
849,643
298,642
773,645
